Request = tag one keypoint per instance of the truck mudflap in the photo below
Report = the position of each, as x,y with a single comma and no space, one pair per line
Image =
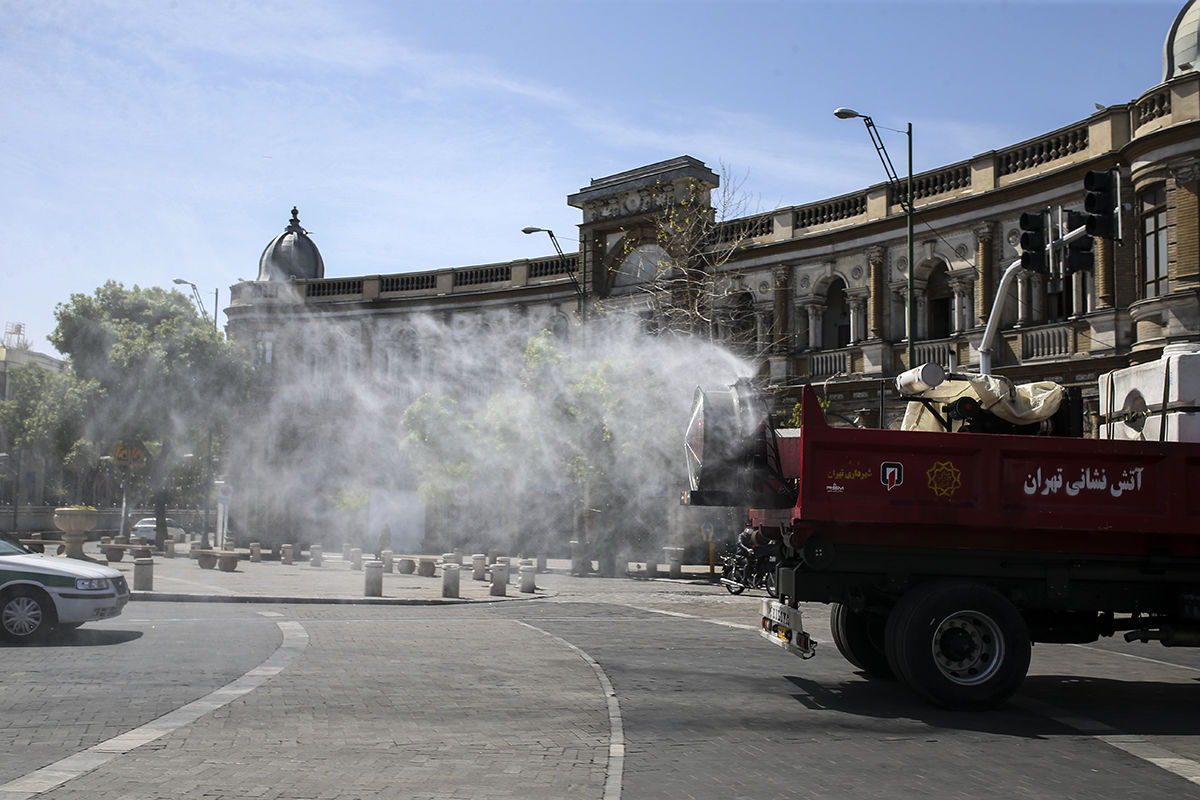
784,626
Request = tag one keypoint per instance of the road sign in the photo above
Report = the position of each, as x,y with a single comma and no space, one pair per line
129,454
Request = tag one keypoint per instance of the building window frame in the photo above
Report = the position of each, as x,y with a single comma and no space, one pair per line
1152,241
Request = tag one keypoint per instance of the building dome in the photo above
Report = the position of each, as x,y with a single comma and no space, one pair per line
1181,51
291,255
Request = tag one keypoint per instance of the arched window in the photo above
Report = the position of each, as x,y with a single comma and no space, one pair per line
939,304
835,324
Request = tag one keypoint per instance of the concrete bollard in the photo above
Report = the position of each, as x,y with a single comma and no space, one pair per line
451,558
285,554
576,557
345,552
674,561
192,549
388,564
372,579
143,574
314,555
528,581
651,569
499,578
256,551
479,566
356,561
450,580
541,563
169,548
407,566
426,567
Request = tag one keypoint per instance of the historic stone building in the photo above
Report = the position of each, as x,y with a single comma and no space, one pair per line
824,284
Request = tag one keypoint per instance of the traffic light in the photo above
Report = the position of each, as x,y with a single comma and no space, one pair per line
1102,202
1033,242
1079,255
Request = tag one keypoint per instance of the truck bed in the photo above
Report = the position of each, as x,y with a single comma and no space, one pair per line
886,489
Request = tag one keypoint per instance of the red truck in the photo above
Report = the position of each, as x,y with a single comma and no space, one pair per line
945,555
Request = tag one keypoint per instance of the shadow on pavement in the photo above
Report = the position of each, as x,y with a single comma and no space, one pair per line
79,638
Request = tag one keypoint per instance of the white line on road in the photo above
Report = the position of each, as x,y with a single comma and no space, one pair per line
616,734
51,776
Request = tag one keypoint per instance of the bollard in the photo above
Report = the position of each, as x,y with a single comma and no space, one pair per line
192,549
407,566
372,578
479,566
356,561
451,558
169,548
386,557
143,574
450,580
500,578
576,557
314,555
528,571
651,569
256,551
675,561
541,563
285,554
426,567
345,552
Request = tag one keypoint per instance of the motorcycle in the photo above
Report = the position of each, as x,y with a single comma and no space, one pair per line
738,574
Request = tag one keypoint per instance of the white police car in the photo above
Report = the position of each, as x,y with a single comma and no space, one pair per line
42,593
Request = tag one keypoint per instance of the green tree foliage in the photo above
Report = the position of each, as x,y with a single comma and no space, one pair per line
155,371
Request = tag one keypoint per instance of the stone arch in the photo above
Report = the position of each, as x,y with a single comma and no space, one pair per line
938,306
835,322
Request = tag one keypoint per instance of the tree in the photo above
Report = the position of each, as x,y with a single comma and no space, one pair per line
158,372
44,417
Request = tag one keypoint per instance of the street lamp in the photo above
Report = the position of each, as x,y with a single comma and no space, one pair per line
208,498
907,202
200,303
580,287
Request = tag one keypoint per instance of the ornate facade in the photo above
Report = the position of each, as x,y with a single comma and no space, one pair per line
824,284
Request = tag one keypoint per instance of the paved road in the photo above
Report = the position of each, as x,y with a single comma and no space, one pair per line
592,688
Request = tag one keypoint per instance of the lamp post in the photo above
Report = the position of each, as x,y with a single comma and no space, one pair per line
907,202
580,286
200,303
209,481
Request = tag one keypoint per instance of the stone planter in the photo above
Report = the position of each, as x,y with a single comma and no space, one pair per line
75,524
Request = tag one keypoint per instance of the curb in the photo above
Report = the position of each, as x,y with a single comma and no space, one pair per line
175,597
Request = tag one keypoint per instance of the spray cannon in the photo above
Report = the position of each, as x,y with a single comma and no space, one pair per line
732,453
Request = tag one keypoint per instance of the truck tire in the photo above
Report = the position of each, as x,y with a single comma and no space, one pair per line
959,645
859,637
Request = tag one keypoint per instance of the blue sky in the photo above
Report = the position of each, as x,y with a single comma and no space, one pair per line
145,141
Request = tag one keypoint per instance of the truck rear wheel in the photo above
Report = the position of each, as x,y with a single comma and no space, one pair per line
959,645
859,637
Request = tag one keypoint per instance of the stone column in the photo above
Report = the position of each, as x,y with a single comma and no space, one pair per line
780,325
876,258
314,555
815,314
985,272
1183,209
450,580
143,574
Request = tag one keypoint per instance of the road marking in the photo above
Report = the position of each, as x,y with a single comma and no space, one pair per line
51,776
616,730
